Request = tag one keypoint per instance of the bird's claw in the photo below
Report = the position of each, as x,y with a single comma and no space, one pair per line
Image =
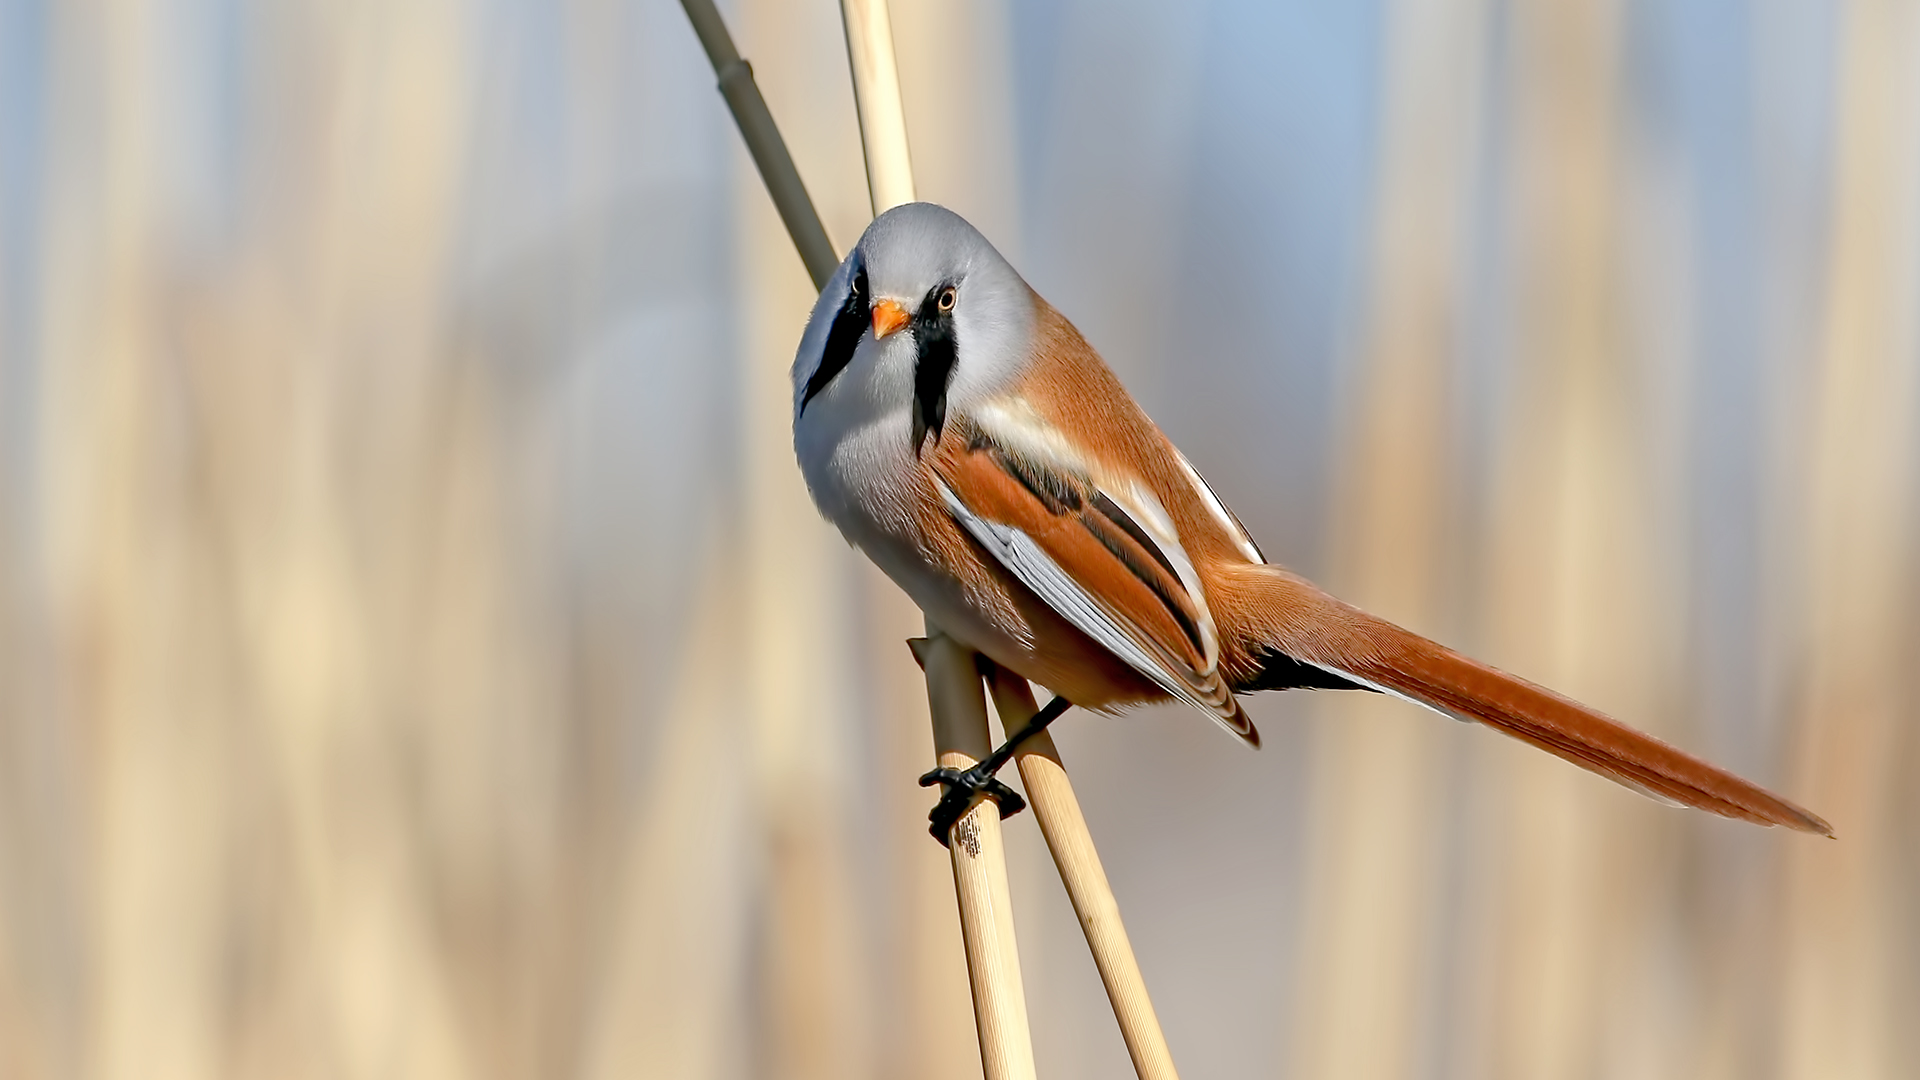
958,799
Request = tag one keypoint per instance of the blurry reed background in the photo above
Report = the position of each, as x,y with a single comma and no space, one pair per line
419,657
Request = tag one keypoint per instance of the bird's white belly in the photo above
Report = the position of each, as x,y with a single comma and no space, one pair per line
868,484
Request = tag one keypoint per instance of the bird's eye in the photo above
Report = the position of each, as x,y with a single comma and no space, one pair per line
947,298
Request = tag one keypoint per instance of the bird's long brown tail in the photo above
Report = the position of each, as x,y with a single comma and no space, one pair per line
1283,612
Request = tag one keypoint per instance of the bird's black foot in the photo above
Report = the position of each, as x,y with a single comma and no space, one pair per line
958,799
981,779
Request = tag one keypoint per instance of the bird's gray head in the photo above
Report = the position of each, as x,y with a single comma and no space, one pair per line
923,313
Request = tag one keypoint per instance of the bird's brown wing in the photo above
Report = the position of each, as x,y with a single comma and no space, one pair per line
1082,547
1289,614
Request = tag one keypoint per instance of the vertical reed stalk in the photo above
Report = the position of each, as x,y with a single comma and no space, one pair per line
958,706
954,694
961,739
876,93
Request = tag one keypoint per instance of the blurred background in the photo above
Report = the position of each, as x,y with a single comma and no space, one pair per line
419,656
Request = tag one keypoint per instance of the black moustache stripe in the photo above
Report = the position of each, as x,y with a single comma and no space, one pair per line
939,350
849,323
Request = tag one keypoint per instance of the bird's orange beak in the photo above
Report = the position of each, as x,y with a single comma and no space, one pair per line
888,316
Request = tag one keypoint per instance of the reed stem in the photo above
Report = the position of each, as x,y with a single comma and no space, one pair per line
876,95
764,143
954,697
1050,794
961,739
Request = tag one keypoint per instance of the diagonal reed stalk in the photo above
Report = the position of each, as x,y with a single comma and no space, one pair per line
1050,794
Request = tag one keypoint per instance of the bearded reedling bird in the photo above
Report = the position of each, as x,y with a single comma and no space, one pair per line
964,435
